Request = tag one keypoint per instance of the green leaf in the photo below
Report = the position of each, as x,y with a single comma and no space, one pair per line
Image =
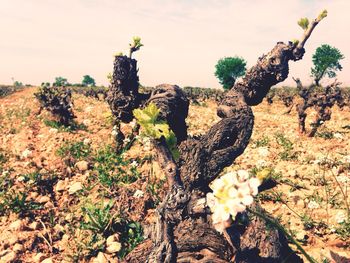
322,15
303,23
148,115
156,129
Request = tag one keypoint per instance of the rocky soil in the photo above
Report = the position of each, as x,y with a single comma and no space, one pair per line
65,196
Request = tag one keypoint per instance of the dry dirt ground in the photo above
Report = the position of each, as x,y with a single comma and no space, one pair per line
65,197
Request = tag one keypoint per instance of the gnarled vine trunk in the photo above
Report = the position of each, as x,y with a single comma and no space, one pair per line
184,231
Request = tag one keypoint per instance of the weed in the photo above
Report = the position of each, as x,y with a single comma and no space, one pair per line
98,218
17,203
76,150
344,230
262,142
131,236
308,222
288,152
327,135
73,126
113,168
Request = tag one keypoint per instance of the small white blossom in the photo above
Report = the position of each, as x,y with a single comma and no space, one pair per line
263,151
340,217
86,122
133,123
338,135
343,179
87,141
53,130
134,164
126,140
261,163
26,153
313,205
138,194
231,194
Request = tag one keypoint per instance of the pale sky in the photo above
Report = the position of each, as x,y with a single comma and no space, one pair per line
183,39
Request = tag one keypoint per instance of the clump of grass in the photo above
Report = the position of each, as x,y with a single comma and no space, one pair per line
288,152
75,150
99,218
131,236
262,142
327,135
112,168
344,230
73,126
16,202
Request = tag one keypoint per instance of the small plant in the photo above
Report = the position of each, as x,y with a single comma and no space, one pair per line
135,45
98,218
344,230
288,152
17,203
76,150
131,236
112,168
262,142
73,126
154,128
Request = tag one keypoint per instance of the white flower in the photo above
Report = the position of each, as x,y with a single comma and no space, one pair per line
138,194
338,135
343,179
340,217
231,194
313,205
261,163
133,123
86,122
87,141
126,140
263,151
26,153
346,159
134,164
53,130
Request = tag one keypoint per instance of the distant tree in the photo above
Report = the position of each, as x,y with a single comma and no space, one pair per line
17,84
88,81
229,69
60,82
326,62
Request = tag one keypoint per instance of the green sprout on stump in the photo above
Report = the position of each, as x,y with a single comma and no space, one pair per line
135,45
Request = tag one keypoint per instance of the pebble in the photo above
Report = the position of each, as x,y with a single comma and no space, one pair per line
75,187
101,258
113,247
16,225
12,240
38,257
34,225
47,260
17,248
82,166
43,199
10,256
60,186
58,228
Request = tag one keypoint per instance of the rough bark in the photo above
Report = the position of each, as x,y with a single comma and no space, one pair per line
58,101
173,105
321,100
183,231
123,95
